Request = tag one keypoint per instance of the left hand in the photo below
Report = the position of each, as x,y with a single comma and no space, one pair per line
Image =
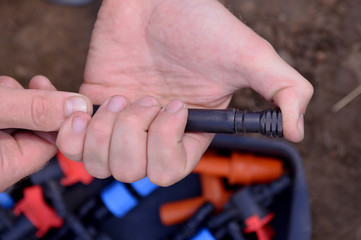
41,110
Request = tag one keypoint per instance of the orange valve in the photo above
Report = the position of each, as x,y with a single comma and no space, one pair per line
241,168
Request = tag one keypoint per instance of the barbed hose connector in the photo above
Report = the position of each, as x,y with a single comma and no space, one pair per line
268,122
233,121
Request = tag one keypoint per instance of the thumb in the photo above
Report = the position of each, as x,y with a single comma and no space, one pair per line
40,110
279,82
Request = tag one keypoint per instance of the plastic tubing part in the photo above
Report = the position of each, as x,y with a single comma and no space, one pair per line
268,122
233,121
241,168
213,191
176,212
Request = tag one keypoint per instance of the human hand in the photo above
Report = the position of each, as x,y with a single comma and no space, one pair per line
41,111
194,51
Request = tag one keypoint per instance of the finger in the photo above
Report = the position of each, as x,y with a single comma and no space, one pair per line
172,154
39,109
21,155
71,136
128,156
9,82
41,82
293,102
99,135
277,81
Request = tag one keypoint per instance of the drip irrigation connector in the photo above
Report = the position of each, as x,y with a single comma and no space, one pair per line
268,122
233,121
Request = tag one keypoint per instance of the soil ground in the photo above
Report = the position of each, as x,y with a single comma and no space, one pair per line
320,38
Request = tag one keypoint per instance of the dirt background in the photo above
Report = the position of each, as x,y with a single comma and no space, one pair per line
320,38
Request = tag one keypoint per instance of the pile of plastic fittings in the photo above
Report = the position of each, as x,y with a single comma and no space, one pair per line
59,201
236,192
62,201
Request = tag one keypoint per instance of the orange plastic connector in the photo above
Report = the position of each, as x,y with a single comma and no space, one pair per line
241,168
176,212
73,171
213,191
34,207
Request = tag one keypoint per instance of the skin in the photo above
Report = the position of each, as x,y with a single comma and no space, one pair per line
175,54
39,109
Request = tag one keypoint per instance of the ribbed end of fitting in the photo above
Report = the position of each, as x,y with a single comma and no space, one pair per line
271,123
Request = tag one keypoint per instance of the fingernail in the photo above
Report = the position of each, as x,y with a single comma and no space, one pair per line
146,102
300,125
117,103
79,124
75,104
174,106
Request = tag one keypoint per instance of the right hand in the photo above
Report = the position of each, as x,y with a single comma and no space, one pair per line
41,110
179,53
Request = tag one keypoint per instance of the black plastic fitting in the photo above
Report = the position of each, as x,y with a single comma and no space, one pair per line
192,225
249,201
235,231
233,121
268,122
22,228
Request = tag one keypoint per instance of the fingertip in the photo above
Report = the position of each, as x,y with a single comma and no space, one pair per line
78,103
293,127
41,82
293,102
71,136
174,106
6,81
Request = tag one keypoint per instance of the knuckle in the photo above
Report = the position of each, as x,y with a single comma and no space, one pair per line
99,133
161,131
39,112
130,118
95,170
138,116
262,48
129,175
165,178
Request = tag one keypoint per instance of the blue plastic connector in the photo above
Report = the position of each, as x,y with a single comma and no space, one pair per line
144,187
203,234
118,199
6,201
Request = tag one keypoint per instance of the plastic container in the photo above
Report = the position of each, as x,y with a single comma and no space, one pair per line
104,209
292,219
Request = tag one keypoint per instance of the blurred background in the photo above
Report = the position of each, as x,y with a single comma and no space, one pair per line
320,38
